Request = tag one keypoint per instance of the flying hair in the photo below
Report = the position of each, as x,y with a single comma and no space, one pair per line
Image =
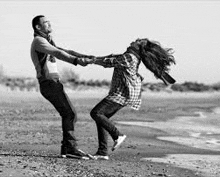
155,58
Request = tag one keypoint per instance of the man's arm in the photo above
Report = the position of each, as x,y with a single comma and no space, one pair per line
42,45
71,52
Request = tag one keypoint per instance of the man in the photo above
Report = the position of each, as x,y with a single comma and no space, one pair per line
44,53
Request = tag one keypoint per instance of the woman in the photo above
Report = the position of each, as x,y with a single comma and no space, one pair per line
125,87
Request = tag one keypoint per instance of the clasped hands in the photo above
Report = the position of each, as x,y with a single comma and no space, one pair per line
84,61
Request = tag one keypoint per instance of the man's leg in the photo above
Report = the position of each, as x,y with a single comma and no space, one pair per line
101,114
54,93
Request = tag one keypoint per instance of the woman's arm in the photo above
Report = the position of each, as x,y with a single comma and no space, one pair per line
113,61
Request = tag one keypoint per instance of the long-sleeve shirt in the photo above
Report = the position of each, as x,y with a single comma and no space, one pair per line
126,83
43,56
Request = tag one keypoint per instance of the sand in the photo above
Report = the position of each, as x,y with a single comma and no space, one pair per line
173,134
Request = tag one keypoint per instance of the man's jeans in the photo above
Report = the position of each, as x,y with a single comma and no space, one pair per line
54,93
101,114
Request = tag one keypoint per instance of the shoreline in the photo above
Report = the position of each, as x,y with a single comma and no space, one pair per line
101,92
205,165
194,132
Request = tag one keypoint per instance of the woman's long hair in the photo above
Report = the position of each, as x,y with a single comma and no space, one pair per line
156,58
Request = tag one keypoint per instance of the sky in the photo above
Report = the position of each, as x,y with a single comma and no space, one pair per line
100,28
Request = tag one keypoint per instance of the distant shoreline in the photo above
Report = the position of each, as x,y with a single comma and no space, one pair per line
102,92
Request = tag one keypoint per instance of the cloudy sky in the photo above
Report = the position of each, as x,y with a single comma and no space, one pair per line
191,28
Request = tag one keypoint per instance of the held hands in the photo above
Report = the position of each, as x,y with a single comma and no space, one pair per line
85,61
90,59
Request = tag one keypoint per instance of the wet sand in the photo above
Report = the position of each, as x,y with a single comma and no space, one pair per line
201,131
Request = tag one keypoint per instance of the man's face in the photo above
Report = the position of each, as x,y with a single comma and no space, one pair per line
45,25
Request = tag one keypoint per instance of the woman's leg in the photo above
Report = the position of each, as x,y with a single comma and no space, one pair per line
101,114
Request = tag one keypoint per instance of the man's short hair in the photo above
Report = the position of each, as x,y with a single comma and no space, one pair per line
36,21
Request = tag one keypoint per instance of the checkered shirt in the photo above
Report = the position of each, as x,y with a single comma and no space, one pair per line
126,82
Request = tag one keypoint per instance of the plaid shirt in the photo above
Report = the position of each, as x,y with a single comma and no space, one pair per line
126,82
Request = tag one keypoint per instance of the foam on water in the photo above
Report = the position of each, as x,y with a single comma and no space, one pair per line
216,110
202,131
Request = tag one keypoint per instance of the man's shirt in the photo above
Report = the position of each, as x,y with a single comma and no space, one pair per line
44,61
126,82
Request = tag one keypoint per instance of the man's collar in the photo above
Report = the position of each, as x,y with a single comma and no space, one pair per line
40,33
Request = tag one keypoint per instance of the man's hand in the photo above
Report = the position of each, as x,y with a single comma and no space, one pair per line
85,61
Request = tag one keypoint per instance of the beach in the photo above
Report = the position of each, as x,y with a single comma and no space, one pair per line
201,131
173,134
